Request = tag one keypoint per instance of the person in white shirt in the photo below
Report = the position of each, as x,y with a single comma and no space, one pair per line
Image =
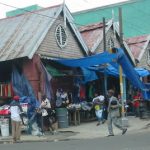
16,111
98,102
45,107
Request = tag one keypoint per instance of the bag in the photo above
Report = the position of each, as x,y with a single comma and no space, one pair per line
99,113
97,107
44,112
113,101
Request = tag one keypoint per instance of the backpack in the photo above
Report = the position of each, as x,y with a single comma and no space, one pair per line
113,101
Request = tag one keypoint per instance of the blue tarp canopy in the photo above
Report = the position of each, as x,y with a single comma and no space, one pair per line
116,58
142,72
89,61
114,71
108,69
89,75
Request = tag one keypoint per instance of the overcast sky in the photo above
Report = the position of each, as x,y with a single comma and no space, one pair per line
73,5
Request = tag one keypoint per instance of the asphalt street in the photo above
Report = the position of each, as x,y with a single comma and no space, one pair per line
135,141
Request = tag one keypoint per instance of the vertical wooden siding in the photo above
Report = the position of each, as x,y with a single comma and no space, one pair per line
49,46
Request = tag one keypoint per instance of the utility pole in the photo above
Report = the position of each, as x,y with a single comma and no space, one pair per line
104,35
104,47
120,68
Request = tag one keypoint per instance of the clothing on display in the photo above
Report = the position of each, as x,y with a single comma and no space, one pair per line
82,92
91,91
61,98
6,90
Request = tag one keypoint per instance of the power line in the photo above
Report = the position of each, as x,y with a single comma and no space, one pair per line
46,16
33,12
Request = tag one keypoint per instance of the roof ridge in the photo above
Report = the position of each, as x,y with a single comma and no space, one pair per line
139,39
91,27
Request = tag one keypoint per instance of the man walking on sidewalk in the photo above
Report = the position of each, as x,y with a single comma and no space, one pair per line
114,114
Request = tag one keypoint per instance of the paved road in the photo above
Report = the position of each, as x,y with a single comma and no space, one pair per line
138,141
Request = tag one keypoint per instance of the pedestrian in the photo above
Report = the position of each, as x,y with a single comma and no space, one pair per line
46,108
16,118
98,102
136,104
114,114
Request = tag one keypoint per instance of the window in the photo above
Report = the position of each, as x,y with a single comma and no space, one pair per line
110,43
61,36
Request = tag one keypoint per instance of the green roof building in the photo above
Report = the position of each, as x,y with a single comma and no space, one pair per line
22,10
136,16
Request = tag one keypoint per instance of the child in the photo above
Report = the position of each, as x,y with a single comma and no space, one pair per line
98,102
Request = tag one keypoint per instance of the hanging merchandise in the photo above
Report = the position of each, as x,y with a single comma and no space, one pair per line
82,92
91,91
76,94
6,90
61,98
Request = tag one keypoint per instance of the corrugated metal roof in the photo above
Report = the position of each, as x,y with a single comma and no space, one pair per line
137,44
91,33
20,36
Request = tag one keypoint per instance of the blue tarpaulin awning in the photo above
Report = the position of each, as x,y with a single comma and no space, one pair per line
142,72
89,61
119,57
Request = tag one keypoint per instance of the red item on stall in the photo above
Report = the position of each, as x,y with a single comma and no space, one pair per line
4,112
136,101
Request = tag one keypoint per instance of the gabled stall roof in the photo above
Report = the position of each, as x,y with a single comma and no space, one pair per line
21,36
138,45
93,35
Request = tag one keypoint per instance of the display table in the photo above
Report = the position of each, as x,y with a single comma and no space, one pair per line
87,115
74,116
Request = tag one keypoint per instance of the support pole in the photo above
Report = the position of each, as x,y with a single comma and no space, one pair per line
120,68
121,90
104,47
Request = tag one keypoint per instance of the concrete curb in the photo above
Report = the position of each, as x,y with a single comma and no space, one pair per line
83,131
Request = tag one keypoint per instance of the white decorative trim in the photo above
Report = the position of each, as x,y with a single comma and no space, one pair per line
144,48
109,24
76,31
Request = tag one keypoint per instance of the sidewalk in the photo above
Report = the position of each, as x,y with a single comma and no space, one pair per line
84,131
